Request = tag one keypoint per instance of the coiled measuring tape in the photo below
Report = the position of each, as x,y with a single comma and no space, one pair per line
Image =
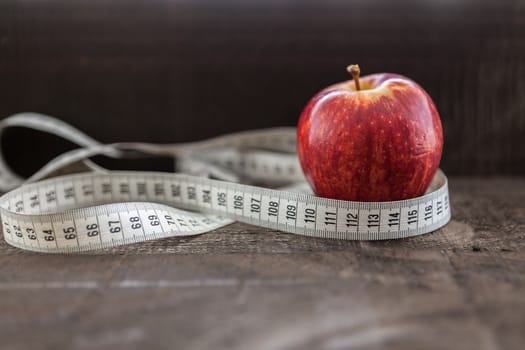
101,209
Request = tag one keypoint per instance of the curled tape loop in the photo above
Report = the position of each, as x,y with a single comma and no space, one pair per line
102,209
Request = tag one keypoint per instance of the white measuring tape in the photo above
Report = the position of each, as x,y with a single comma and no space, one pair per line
101,209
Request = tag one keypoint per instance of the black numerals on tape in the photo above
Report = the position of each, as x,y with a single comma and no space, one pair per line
428,212
412,217
19,206
169,220
69,233
352,220
393,219
92,230
135,222
175,191
373,220
291,212
69,193
192,193
330,218
48,235
309,215
114,226
51,196
273,208
206,196
221,199
238,202
439,207
255,205
34,201
31,234
154,220
259,206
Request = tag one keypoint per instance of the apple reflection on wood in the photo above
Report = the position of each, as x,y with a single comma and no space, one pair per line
378,138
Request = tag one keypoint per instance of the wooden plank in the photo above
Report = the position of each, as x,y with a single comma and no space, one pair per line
244,287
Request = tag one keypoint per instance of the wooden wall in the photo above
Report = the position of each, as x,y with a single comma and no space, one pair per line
169,71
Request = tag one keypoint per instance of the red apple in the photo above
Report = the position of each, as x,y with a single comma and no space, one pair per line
377,138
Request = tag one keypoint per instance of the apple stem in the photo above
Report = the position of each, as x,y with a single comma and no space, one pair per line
355,71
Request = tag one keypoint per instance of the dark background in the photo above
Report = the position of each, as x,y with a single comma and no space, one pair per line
172,71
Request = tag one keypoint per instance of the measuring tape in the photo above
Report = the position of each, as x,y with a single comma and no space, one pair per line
212,187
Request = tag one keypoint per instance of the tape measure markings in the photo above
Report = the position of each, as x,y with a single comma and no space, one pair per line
104,209
78,229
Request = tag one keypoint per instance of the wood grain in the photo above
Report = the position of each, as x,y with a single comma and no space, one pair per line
243,287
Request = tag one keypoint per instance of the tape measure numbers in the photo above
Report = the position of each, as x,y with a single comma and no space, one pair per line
103,209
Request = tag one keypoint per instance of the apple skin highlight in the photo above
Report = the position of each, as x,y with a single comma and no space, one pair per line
380,143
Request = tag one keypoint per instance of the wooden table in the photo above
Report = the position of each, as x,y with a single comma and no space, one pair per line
247,288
